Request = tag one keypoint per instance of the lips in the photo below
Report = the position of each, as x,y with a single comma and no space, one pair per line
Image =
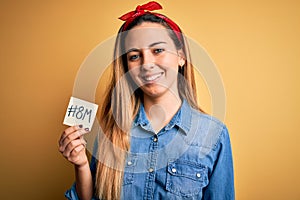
151,77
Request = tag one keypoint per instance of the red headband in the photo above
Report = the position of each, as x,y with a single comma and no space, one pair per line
140,10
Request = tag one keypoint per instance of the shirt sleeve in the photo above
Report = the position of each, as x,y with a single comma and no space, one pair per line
71,194
221,181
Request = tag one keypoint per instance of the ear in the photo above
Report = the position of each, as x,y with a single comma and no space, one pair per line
181,58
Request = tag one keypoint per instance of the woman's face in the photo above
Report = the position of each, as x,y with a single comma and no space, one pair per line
152,59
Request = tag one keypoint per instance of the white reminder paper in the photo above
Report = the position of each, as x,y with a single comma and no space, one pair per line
80,112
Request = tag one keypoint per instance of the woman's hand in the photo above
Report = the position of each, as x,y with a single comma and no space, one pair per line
72,145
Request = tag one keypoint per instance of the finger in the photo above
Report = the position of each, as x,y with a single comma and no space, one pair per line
83,141
77,150
69,130
71,146
76,155
72,136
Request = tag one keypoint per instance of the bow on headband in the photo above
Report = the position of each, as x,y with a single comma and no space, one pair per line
143,9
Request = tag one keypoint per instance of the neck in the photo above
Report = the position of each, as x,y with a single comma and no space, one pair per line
160,110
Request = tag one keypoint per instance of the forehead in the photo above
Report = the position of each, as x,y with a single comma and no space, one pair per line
142,36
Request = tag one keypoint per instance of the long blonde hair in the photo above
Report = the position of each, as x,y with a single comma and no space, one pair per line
117,113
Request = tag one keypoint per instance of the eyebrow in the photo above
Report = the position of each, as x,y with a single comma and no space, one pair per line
151,45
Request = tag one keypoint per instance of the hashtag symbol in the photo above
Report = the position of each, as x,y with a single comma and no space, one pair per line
72,110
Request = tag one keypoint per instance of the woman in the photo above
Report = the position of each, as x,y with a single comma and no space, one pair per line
156,142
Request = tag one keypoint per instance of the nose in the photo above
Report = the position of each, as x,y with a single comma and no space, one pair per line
147,60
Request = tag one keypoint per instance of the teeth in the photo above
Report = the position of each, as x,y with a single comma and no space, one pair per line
151,78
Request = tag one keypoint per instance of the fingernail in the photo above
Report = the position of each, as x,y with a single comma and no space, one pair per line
80,126
87,129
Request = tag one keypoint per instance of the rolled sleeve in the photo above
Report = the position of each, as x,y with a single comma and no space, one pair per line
71,194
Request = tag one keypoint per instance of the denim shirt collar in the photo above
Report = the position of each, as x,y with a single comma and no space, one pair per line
181,119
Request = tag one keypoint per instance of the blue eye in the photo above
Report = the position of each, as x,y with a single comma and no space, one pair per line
133,57
157,51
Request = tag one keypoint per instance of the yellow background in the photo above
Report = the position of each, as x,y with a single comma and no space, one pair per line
255,45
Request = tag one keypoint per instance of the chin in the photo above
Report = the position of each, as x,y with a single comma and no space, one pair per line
155,91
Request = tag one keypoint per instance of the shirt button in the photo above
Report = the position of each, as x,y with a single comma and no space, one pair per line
198,175
150,170
174,170
129,163
155,139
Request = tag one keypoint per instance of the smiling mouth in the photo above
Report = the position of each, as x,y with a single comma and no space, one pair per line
152,77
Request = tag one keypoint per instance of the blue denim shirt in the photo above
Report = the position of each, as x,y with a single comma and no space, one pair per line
190,158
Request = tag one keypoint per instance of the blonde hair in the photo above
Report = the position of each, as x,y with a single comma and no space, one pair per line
117,114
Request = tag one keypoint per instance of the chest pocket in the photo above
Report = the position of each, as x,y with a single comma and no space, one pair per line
185,178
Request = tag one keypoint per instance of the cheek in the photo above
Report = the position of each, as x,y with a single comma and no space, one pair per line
134,72
170,62
130,67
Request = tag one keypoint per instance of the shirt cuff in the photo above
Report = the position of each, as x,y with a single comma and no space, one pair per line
71,194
